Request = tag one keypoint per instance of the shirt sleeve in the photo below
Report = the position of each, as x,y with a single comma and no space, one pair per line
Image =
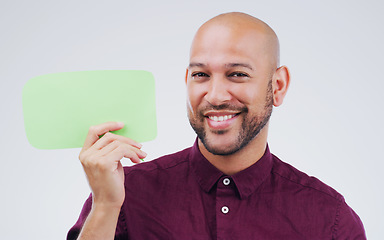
348,224
121,228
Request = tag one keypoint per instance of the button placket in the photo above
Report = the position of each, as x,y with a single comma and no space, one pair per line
224,190
225,199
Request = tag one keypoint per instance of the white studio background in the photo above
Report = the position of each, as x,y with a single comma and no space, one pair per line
330,125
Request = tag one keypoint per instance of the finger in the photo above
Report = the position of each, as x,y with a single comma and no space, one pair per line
110,137
98,130
129,151
122,151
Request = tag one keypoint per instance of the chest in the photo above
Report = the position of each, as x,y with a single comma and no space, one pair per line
181,212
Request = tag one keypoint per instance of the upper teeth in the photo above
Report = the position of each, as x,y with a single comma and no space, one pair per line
221,118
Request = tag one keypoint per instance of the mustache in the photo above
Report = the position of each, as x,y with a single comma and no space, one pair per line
224,106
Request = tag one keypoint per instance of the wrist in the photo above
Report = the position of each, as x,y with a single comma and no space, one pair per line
106,203
105,208
101,223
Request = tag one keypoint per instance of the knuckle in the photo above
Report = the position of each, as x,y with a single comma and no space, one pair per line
120,148
88,160
93,129
118,145
108,137
83,156
124,151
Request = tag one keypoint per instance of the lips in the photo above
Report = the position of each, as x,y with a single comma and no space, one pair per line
220,120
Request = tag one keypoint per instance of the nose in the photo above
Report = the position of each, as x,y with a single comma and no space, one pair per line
218,92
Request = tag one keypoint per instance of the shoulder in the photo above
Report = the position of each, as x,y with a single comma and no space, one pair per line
289,175
320,199
164,163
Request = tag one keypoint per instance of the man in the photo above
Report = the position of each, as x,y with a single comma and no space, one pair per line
228,185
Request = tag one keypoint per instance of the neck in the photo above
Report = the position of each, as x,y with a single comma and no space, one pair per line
242,159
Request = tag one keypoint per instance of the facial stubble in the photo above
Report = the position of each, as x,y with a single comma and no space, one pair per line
250,127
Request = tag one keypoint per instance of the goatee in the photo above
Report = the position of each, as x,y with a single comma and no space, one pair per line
251,125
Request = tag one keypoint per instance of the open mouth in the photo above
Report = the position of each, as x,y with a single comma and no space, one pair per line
221,118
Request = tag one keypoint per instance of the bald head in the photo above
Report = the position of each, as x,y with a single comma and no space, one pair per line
240,25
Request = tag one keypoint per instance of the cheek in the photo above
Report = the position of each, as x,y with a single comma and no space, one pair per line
195,96
244,93
250,95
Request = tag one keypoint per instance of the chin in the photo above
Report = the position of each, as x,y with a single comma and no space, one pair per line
221,146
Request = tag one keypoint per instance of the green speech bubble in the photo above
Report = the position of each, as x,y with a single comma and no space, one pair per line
59,108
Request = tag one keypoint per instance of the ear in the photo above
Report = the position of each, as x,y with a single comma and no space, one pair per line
281,80
186,75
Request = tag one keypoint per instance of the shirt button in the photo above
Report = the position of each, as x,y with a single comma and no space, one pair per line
225,209
226,181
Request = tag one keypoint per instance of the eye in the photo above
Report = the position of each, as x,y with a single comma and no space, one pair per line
199,75
238,75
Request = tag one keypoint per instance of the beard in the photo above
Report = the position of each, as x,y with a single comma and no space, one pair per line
251,125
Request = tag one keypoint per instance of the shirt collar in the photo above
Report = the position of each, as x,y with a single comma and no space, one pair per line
246,181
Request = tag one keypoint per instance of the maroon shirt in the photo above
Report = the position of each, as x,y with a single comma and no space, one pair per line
183,196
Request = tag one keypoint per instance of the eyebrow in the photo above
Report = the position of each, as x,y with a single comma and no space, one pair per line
232,65
228,65
192,64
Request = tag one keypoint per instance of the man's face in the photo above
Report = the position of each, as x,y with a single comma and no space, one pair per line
229,83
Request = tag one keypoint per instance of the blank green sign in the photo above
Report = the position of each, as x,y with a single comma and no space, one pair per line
59,108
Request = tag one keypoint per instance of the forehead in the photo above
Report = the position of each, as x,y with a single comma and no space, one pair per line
221,43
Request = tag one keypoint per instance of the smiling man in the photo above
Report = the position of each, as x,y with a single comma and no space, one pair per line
228,185
233,81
